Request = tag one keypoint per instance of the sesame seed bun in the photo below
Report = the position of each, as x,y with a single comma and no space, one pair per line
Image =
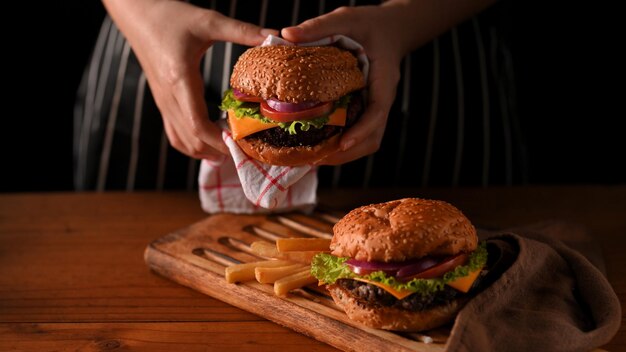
297,74
288,156
403,229
391,318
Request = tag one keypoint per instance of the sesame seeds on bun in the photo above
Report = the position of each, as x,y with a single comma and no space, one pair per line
403,229
297,74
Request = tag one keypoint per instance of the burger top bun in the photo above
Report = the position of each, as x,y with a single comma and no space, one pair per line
403,229
297,74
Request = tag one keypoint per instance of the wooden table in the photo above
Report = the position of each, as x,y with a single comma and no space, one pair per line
73,276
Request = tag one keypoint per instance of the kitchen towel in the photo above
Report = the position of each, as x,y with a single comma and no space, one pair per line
541,294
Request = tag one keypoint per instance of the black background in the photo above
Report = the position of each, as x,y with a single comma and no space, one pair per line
569,74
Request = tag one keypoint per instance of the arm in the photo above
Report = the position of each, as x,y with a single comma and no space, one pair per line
388,32
169,39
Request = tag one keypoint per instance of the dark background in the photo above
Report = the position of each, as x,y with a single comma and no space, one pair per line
570,91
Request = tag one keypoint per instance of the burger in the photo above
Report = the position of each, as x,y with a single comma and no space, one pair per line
289,105
404,265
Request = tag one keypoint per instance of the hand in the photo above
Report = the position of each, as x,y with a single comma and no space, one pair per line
365,136
387,32
169,39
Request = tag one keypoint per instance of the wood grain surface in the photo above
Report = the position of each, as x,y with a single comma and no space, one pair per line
73,275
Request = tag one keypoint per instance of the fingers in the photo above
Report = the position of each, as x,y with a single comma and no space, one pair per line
189,95
373,120
212,26
340,21
361,149
365,136
185,118
381,95
185,142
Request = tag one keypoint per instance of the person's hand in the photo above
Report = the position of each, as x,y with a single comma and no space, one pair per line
358,23
169,39
387,33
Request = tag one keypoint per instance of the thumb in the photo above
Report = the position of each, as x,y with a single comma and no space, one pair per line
215,26
338,21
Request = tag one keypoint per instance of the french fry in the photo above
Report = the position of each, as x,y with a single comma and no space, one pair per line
245,272
264,249
303,244
268,250
291,282
270,275
299,257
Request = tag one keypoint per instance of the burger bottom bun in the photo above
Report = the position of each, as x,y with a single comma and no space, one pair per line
288,156
389,318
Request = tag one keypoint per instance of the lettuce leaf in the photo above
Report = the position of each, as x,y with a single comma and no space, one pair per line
242,109
328,269
317,122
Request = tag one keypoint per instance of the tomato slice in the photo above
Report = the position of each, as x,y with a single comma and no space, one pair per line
316,111
440,269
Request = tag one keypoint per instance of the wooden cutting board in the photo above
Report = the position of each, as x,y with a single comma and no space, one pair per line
197,255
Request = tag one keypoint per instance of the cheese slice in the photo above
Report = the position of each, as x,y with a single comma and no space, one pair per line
243,127
338,117
399,294
464,283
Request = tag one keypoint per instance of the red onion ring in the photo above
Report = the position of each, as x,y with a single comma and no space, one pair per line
238,94
290,107
417,267
362,267
398,269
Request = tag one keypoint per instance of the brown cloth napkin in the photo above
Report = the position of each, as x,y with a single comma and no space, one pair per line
542,295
